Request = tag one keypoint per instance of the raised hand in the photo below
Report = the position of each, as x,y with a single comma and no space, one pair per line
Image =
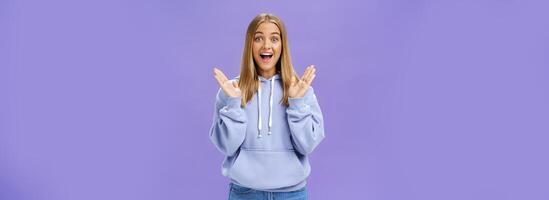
299,87
230,88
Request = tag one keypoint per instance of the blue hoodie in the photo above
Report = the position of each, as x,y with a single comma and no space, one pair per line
266,144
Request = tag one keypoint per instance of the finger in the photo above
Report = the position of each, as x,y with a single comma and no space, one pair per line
221,75
235,84
307,70
294,80
312,78
307,76
217,73
310,70
216,70
219,81
311,73
304,73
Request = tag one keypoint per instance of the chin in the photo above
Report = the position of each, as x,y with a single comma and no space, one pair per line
266,68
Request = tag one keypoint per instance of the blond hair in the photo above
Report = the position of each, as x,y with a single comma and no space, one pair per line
248,81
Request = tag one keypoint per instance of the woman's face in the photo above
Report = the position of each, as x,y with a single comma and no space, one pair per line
267,47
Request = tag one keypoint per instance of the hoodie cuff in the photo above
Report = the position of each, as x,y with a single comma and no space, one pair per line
297,103
233,102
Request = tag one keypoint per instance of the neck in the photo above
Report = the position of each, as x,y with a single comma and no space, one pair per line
268,74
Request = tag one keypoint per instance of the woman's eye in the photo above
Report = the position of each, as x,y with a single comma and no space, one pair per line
257,39
274,39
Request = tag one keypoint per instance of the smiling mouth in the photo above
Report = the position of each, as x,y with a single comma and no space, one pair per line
266,57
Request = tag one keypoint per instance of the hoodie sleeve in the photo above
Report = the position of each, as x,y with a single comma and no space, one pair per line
306,122
229,124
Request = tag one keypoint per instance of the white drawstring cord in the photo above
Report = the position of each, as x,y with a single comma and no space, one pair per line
259,108
270,107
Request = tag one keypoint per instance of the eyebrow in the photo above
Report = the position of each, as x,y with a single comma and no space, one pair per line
271,33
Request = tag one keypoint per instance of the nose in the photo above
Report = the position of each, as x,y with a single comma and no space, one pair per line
267,45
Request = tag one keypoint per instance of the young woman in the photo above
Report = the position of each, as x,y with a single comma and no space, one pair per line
267,120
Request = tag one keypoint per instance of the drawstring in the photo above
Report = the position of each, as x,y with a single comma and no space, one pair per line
270,107
259,108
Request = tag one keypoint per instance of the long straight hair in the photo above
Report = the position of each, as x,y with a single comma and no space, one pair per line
248,82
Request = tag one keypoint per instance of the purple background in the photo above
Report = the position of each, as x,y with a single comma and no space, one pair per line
113,99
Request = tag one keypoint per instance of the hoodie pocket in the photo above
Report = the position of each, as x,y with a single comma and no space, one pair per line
268,169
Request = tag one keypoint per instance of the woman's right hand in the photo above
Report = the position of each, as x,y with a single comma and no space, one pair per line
230,88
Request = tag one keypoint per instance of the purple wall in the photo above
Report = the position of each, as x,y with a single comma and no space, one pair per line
426,100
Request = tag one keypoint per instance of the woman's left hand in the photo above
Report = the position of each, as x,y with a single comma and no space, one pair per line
299,87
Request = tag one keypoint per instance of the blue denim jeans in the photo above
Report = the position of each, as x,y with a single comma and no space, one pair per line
237,192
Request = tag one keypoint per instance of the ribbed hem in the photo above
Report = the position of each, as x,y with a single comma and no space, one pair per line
297,103
298,186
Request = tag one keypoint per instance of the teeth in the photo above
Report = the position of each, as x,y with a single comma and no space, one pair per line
266,54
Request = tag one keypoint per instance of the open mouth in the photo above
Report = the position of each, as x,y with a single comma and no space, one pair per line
266,57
